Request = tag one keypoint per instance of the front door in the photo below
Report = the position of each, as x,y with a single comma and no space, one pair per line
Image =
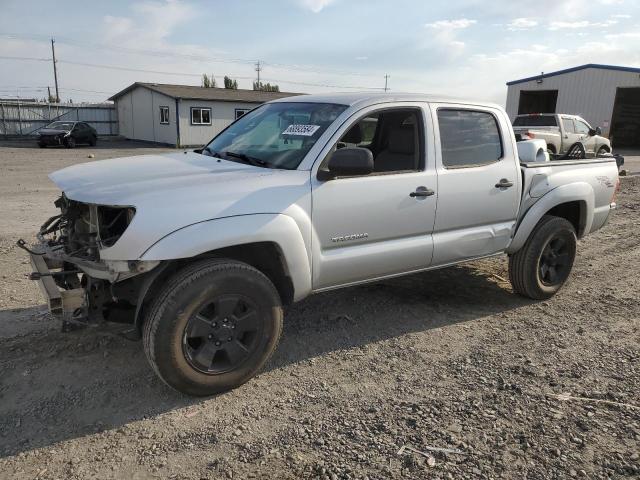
371,226
478,183
588,140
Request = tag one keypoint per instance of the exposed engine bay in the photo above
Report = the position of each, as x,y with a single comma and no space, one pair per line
79,285
82,230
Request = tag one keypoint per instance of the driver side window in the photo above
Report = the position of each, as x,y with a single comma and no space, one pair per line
395,138
581,127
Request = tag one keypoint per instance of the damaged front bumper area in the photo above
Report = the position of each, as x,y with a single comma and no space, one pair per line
78,286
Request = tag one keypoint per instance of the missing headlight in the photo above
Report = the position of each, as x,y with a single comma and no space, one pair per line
113,221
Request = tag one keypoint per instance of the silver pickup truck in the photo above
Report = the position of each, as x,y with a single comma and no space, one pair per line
567,136
200,250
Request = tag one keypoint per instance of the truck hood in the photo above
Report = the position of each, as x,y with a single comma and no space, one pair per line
171,191
131,181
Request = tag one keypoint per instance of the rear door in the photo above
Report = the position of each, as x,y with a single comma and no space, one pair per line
478,182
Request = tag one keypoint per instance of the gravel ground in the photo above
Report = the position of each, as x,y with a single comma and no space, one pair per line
447,359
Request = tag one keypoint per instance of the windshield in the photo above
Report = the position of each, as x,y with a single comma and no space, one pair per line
275,135
61,125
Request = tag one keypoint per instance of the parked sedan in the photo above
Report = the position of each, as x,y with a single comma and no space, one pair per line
68,134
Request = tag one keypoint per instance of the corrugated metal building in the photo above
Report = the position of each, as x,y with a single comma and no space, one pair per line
182,115
606,96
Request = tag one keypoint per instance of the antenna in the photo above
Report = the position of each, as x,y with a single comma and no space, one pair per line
386,82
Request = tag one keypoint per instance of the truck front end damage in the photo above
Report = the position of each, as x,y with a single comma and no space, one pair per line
78,285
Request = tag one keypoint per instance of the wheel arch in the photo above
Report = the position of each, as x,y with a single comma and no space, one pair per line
271,243
574,202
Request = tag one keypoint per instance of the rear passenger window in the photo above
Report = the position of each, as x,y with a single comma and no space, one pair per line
468,138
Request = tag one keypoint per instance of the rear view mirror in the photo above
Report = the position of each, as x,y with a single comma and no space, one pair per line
349,161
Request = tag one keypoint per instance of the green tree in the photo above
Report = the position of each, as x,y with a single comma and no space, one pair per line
265,87
230,83
208,81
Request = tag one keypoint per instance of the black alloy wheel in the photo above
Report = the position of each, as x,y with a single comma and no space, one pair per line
576,152
222,335
555,262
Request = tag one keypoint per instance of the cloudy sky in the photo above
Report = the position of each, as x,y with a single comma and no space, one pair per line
465,48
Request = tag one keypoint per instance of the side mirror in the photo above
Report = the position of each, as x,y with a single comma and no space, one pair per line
598,131
347,162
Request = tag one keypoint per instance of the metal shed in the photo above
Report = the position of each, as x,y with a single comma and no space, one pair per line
182,115
607,96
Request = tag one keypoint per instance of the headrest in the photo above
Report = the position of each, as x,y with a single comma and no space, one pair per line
401,140
354,135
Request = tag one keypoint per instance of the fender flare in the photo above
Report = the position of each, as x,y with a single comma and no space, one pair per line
214,234
579,191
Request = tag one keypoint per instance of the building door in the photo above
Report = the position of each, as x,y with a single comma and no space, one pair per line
539,101
625,121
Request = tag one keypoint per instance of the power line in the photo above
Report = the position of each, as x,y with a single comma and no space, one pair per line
323,85
194,75
202,58
6,57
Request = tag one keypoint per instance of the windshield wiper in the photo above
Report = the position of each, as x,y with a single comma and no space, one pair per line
256,162
210,153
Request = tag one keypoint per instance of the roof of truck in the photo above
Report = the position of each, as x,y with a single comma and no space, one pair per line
372,98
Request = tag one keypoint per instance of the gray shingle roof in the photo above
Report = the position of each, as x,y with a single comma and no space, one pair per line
201,93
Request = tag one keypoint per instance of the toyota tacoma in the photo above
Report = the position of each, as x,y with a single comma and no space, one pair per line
200,250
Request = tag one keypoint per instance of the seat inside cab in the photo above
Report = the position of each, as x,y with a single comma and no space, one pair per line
391,135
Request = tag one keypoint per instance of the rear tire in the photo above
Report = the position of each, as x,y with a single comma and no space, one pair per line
93,140
42,145
542,266
212,327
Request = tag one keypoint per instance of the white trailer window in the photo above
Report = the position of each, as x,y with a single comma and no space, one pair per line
164,115
200,116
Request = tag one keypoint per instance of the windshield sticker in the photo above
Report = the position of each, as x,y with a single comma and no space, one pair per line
301,130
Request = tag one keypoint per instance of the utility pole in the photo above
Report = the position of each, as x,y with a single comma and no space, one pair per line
55,70
258,68
386,82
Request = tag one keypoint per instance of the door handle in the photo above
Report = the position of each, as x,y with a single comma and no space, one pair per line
504,183
422,192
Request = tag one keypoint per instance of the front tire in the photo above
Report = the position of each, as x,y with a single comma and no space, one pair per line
541,267
602,151
212,327
70,142
576,152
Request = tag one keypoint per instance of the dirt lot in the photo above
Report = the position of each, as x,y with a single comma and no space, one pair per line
449,359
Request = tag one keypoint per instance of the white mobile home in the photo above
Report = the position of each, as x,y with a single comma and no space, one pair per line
182,115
